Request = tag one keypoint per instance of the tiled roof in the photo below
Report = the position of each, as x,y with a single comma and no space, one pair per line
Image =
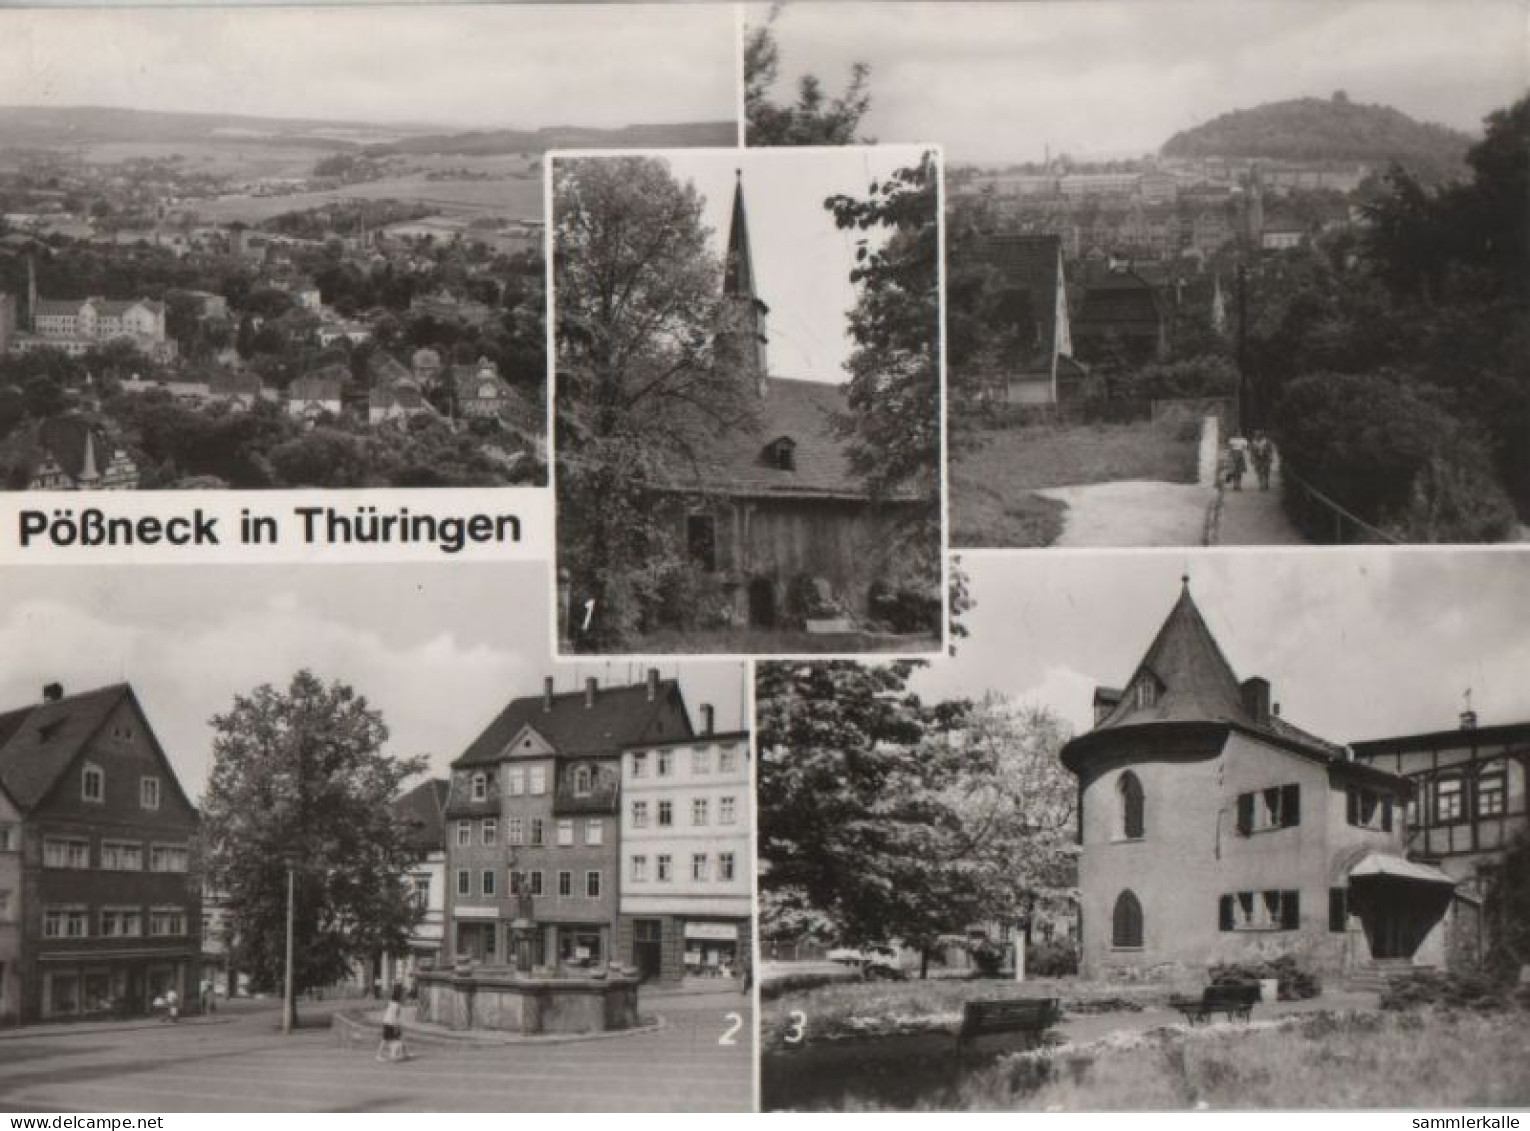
420,810
801,411
618,716
1196,684
47,306
38,743
314,389
1195,681
1121,301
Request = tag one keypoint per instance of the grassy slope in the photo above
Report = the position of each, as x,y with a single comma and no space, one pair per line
1428,1060
992,500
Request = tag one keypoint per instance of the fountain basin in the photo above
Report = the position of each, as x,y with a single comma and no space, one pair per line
503,999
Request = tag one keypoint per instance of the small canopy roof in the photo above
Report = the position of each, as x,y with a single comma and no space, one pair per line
1384,864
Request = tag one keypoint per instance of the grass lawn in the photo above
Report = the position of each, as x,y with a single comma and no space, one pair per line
777,641
992,500
1431,1060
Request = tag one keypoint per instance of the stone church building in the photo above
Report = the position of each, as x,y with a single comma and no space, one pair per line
1213,830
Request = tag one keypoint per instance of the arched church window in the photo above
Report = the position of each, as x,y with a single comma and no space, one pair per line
1133,806
1126,922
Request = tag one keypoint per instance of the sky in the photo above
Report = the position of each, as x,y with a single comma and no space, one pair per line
1357,643
439,650
802,261
998,83
458,65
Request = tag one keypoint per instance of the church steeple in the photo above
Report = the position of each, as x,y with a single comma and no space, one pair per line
745,335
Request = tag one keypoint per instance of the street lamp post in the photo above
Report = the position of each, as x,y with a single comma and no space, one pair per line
289,998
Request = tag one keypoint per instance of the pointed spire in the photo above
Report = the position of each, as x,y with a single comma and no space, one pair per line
738,279
1184,676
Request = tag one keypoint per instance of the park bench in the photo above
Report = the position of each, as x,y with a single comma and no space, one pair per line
1032,1016
1235,999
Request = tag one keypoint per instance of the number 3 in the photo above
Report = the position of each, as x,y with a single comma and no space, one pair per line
727,1038
799,1028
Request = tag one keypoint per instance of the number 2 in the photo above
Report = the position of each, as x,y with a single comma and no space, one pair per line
727,1038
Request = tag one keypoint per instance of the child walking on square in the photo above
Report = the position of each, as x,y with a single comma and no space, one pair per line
392,1045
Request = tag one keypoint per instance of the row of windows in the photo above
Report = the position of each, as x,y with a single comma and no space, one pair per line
528,883
1457,798
93,786
116,855
1236,911
533,832
701,812
701,868
115,922
663,762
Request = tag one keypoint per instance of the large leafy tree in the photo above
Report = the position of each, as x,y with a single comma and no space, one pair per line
641,385
299,776
892,428
814,118
883,818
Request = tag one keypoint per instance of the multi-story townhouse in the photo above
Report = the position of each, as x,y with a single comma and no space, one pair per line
686,855
422,811
109,908
532,812
10,910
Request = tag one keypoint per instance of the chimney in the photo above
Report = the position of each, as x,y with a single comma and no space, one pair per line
1256,699
1468,719
547,693
589,691
653,684
708,718
52,692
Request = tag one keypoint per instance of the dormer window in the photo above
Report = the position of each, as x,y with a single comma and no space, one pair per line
93,784
781,454
480,787
583,781
1145,693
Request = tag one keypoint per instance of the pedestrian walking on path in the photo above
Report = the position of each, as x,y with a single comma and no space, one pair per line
392,1045
1263,453
1237,459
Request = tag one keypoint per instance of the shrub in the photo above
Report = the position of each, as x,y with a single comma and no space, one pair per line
1296,982
904,608
1376,447
1051,960
1454,991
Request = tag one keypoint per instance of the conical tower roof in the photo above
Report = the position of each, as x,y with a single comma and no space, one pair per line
738,276
1184,674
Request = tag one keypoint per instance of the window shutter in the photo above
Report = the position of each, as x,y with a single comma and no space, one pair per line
1225,916
1245,813
1386,814
1290,910
1290,806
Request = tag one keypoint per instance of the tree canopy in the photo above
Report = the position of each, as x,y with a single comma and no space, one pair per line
814,118
640,388
299,776
883,818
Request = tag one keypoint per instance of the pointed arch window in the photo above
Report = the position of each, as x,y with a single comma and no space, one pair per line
1133,806
1126,923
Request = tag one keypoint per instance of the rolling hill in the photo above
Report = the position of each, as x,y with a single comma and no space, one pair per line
1332,129
71,126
